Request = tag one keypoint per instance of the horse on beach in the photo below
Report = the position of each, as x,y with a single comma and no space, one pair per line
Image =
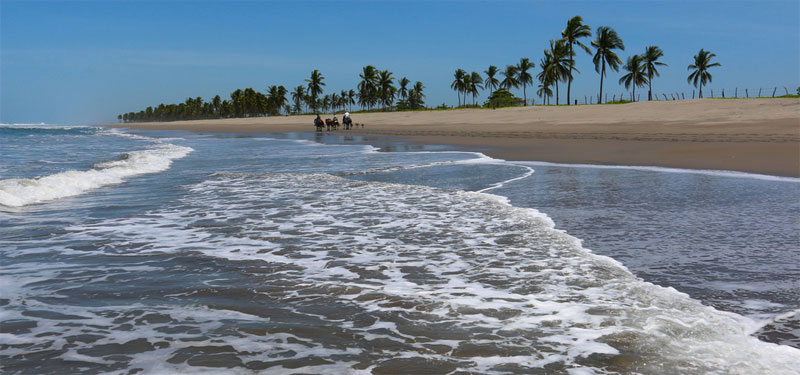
332,124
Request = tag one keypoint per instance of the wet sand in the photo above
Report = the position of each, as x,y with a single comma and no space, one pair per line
748,135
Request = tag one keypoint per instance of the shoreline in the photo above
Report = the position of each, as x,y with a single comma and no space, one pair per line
759,136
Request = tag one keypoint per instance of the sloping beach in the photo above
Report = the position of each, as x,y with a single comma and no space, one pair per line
748,135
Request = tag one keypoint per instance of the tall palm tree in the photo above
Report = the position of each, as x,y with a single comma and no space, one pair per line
276,99
367,87
491,83
415,96
343,99
476,83
702,62
418,87
606,41
575,30
315,87
510,79
351,98
524,77
545,76
298,96
466,87
559,64
650,59
386,89
636,74
327,102
334,100
403,90
458,83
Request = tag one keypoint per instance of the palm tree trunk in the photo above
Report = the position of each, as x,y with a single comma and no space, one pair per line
650,89
524,95
633,93
556,92
701,89
602,74
572,62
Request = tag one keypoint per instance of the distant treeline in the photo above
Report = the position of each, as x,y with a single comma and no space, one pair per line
375,89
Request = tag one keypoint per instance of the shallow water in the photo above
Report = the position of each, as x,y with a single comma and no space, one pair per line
321,254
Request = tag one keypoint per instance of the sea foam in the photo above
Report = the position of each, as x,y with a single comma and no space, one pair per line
16,192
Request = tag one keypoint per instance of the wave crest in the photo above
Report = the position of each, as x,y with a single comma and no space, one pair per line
16,192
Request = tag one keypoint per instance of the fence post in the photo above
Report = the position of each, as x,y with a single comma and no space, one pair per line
683,96
584,99
746,94
759,92
723,93
774,91
712,93
606,97
736,92
639,98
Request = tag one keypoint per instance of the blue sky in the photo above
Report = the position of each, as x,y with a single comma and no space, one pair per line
87,61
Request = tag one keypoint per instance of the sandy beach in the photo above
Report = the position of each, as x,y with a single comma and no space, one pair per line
748,135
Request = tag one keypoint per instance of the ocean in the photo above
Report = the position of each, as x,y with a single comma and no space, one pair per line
161,252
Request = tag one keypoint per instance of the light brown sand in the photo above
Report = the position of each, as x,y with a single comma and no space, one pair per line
750,135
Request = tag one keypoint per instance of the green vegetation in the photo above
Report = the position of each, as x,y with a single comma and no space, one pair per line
702,62
636,74
606,41
376,88
575,30
502,98
650,57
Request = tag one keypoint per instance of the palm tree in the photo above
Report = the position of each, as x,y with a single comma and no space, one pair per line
491,83
403,91
315,87
606,41
351,98
386,89
466,87
418,87
575,30
298,96
702,62
276,98
343,99
636,74
544,91
458,83
216,102
510,79
334,101
367,86
415,96
547,76
558,64
476,83
272,107
524,77
650,59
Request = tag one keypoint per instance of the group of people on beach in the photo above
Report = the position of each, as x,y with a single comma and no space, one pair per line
334,124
